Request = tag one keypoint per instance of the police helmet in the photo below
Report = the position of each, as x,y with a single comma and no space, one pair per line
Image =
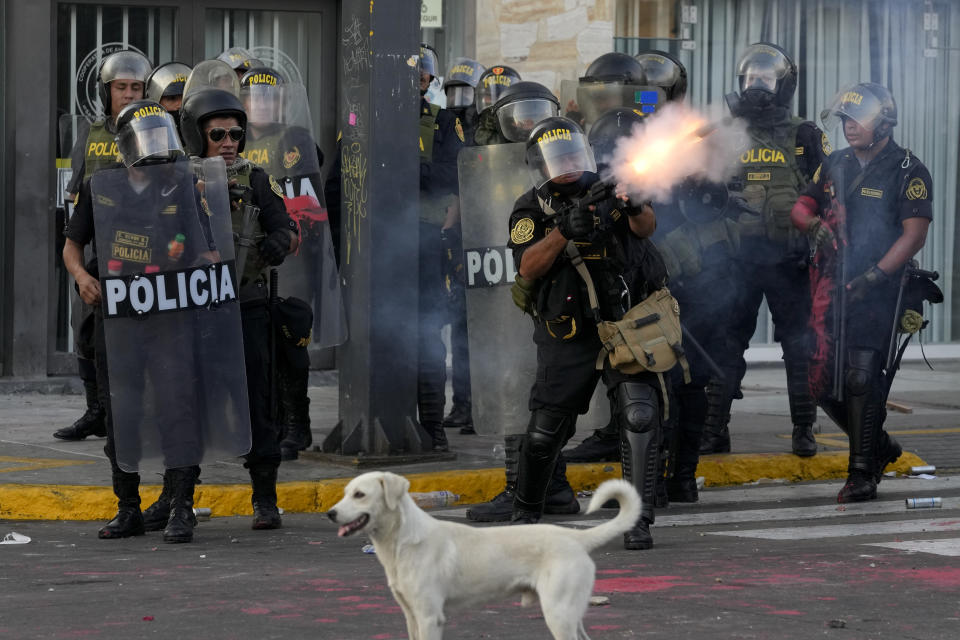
871,105
120,65
199,107
521,106
146,134
260,90
238,58
212,74
461,81
610,127
664,70
612,80
557,147
167,80
491,84
766,75
429,60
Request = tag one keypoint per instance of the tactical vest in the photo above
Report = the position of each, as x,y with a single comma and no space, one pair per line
683,248
252,269
101,150
773,183
433,208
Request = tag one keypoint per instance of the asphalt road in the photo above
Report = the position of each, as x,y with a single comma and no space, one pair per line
770,561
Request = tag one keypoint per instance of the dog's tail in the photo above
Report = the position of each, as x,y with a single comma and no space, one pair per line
624,493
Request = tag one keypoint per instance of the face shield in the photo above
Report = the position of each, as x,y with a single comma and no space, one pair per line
212,74
236,58
761,68
459,95
517,119
854,103
559,153
166,81
596,98
466,71
151,139
491,87
125,65
262,103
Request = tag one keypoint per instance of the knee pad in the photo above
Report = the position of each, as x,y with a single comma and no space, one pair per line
547,432
638,407
863,369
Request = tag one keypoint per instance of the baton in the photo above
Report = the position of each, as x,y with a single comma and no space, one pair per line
711,364
909,271
274,301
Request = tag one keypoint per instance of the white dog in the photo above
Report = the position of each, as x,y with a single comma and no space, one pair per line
432,563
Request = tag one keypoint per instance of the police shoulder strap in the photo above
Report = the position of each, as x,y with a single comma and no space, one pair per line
577,261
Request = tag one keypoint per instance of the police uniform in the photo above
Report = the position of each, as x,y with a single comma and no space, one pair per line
783,156
568,345
700,260
893,187
441,138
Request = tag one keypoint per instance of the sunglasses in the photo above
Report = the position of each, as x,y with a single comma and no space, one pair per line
217,133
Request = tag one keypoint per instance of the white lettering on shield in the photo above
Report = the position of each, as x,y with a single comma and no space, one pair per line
489,266
169,291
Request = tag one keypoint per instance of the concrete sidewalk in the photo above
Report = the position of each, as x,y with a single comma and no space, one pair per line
45,478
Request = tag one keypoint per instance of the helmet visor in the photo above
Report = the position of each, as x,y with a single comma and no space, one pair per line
517,119
557,153
854,103
125,65
459,95
761,67
596,98
490,90
262,103
212,74
660,71
428,61
167,81
149,140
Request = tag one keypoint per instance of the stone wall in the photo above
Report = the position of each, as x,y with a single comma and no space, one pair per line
546,41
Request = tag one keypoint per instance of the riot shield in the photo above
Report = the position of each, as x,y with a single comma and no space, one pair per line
171,318
286,149
503,357
211,74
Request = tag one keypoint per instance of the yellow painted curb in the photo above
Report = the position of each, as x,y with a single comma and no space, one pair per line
71,502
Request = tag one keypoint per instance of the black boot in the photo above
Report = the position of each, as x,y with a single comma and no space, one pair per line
716,433
561,498
295,413
863,401
155,516
460,417
692,412
803,410
890,450
539,449
182,520
439,436
93,422
128,521
263,478
501,507
639,416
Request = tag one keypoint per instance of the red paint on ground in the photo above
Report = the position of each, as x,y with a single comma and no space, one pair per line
604,627
611,572
787,612
351,599
326,620
639,585
382,636
256,611
725,587
947,578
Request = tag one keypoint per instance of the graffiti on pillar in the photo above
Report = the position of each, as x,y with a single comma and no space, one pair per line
355,41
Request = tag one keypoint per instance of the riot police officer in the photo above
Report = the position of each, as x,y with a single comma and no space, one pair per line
581,270
240,60
460,86
663,71
214,123
146,137
612,80
490,86
165,87
441,138
866,213
521,106
120,80
784,155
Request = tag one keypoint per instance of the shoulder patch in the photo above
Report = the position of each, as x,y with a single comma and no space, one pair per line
459,129
522,231
275,187
917,189
825,143
291,158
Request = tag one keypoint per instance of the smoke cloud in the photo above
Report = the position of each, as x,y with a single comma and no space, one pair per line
676,143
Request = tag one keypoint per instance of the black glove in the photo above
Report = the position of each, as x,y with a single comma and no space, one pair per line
858,288
275,247
575,223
